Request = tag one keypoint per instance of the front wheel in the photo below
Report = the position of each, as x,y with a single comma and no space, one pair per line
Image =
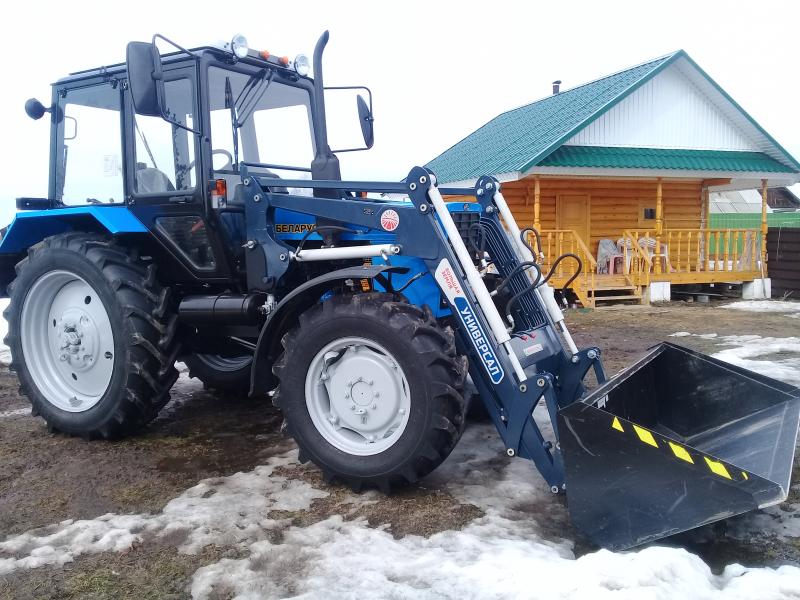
371,390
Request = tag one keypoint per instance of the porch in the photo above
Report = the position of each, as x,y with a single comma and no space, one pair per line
677,256
630,233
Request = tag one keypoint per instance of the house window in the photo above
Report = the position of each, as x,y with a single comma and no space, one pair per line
647,212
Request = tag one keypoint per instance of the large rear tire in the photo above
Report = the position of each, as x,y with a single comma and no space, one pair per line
371,390
92,335
229,374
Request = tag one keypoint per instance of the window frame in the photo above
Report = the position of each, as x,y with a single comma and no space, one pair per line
646,204
172,72
57,142
246,68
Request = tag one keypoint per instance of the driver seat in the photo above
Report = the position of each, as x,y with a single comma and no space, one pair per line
152,181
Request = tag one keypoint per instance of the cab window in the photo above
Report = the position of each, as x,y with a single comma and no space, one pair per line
89,169
165,152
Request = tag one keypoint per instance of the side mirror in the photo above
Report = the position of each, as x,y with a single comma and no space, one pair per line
366,119
340,118
35,109
145,78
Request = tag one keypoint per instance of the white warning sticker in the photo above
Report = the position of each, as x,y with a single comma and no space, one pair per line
450,285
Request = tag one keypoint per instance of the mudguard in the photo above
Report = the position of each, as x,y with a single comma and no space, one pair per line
31,227
268,347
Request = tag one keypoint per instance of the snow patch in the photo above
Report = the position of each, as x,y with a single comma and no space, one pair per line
774,357
768,306
705,336
508,553
224,511
8,414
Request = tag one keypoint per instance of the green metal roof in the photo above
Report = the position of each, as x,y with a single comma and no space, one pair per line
519,139
663,158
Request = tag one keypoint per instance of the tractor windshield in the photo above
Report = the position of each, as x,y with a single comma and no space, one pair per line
256,118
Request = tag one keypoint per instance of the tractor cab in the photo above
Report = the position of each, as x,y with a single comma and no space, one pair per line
171,148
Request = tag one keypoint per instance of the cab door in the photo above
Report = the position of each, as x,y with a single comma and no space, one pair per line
163,187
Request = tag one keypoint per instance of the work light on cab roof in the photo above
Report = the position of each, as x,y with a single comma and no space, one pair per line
239,47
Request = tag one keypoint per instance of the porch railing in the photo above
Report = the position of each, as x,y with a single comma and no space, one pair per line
699,250
556,242
638,263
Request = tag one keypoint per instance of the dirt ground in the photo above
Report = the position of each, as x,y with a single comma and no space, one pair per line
47,478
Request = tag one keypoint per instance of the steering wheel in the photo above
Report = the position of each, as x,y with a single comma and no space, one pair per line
227,166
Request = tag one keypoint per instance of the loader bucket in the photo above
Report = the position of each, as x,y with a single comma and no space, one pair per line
676,441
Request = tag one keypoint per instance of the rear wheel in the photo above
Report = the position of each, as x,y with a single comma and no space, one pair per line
371,390
224,373
92,336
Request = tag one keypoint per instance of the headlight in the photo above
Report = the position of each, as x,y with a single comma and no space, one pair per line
301,65
239,45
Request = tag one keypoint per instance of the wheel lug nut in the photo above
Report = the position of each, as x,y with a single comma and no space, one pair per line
352,407
374,406
347,395
376,395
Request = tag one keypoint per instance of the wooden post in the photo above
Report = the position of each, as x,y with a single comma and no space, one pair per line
659,226
537,206
764,226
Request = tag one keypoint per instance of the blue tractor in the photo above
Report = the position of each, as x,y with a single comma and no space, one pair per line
196,212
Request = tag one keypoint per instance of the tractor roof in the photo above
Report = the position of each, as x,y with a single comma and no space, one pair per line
119,68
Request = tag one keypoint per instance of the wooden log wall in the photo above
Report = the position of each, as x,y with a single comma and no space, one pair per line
614,204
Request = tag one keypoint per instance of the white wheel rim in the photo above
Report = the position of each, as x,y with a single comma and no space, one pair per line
67,341
357,396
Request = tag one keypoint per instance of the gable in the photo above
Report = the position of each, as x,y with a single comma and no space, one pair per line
510,141
666,104
668,111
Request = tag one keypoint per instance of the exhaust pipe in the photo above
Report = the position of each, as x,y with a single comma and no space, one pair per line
223,309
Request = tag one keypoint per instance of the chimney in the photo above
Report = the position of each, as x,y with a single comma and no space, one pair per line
556,86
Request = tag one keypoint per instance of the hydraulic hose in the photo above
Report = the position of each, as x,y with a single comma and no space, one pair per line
538,241
574,275
523,266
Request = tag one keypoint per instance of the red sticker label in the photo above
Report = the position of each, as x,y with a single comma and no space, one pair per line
390,220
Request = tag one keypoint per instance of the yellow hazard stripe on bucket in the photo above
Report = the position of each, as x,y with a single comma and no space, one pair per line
718,468
645,436
681,452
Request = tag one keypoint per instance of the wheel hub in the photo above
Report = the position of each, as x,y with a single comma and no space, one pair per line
77,339
357,396
67,341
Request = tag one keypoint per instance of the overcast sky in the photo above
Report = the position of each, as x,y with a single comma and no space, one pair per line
438,70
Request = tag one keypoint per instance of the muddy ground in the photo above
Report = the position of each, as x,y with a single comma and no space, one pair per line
46,478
